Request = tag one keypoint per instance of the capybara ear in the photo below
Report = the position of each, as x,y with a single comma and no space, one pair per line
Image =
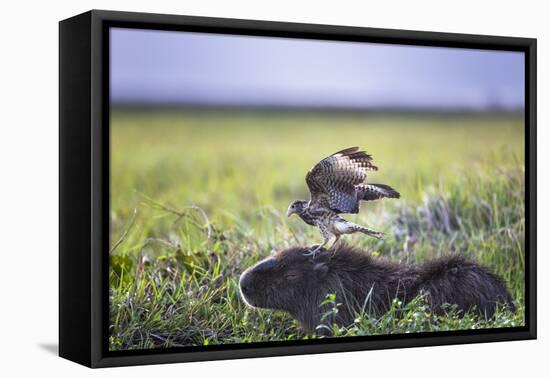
321,269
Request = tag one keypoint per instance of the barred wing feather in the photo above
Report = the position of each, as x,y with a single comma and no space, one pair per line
332,182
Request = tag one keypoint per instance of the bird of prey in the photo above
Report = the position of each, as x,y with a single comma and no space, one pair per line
337,185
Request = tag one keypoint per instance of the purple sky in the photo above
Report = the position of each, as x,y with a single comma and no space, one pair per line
179,67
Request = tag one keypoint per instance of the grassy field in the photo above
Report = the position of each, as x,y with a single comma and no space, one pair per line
198,198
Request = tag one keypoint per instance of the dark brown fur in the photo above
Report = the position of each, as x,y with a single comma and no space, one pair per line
297,284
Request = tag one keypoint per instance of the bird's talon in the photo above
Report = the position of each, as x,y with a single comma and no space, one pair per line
313,250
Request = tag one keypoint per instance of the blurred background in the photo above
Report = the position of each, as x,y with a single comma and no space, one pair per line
193,69
250,115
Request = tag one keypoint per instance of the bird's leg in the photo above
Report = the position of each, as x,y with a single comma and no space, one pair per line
325,233
336,238
313,251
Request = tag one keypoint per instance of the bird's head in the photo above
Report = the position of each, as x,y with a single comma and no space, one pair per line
296,207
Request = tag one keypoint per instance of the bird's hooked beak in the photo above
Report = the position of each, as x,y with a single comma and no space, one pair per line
290,211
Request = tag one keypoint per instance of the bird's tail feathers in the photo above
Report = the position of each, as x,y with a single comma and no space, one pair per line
370,192
357,228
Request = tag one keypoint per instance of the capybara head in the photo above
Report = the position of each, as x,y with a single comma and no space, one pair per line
288,281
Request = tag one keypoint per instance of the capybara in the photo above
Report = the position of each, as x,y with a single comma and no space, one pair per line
293,282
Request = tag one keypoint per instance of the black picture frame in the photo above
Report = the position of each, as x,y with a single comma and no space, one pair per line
84,186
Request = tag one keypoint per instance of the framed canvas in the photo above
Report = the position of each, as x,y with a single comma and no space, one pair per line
234,188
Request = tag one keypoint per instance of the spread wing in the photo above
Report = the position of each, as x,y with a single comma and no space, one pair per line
332,182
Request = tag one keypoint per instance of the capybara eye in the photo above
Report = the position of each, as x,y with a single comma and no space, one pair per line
292,276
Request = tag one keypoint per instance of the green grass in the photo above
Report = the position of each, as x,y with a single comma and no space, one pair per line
198,198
